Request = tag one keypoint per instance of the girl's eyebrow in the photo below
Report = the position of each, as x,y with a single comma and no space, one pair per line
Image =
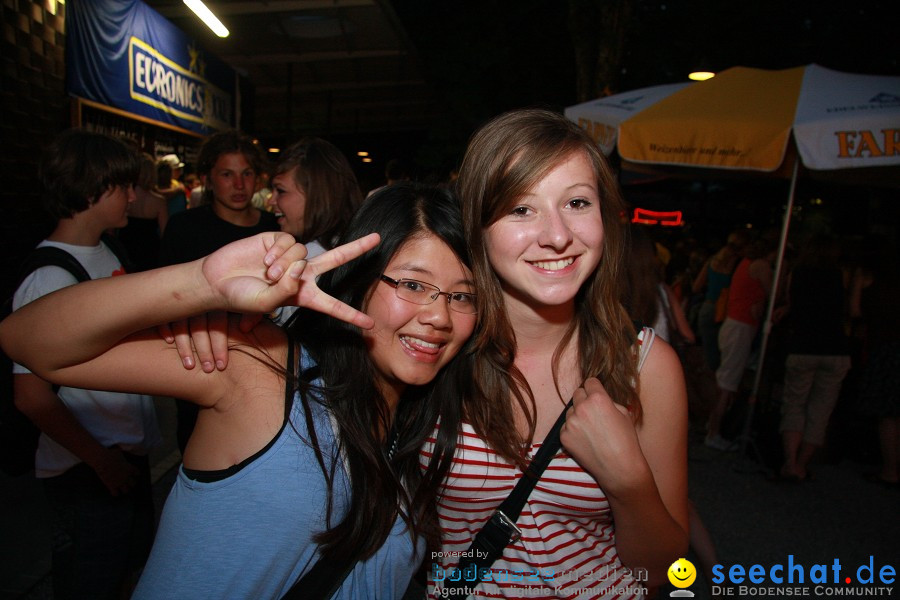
426,273
587,184
592,186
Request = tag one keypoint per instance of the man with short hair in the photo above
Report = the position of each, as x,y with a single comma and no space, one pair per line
228,163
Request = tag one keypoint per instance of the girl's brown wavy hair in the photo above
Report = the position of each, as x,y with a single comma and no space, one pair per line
506,158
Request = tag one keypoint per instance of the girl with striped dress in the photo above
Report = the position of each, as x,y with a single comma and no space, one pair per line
608,517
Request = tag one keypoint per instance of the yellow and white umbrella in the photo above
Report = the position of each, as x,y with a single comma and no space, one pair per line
743,119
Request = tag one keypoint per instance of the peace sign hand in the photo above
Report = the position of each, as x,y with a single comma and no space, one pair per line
309,294
260,273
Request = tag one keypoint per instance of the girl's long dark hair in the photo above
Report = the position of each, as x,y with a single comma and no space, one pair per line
382,488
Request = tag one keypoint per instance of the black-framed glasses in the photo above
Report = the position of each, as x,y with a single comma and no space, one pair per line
419,292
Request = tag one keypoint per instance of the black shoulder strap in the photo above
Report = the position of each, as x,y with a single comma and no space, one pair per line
46,256
501,528
51,256
321,582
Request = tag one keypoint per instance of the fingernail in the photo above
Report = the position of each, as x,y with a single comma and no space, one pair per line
188,362
276,271
297,269
220,364
269,259
207,366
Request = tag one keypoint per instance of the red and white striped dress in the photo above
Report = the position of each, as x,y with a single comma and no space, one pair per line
567,548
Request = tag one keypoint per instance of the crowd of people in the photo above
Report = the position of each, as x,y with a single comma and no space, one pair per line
362,380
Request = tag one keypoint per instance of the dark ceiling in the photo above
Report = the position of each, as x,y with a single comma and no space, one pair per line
425,73
336,66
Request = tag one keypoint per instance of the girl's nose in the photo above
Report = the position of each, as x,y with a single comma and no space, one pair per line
436,314
555,233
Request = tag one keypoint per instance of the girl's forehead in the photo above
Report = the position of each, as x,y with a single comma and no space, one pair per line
427,253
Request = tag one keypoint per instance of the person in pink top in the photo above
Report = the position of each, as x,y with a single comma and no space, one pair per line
750,287
610,514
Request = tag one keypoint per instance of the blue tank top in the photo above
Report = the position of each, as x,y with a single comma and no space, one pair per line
249,535
715,282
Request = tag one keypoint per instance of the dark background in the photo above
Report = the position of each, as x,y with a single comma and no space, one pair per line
483,58
462,63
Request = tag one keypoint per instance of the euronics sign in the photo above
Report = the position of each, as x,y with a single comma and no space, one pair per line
123,54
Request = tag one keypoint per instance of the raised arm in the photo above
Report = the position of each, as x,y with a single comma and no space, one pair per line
70,328
203,339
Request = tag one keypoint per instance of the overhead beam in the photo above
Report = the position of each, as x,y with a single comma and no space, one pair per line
272,6
307,57
369,105
273,90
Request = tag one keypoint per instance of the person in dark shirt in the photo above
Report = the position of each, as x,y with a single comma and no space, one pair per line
818,353
228,163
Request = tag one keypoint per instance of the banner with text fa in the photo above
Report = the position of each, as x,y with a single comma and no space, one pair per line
123,54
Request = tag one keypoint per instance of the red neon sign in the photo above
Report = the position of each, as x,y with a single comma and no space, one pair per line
654,217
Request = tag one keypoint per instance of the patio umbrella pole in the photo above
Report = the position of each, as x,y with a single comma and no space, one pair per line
745,437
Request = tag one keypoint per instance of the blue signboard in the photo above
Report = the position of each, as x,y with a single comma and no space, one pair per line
123,54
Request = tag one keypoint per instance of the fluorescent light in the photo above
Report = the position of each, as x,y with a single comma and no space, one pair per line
207,17
362,153
367,160
274,150
696,75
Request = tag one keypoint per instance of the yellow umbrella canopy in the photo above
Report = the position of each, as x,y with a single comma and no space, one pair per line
741,119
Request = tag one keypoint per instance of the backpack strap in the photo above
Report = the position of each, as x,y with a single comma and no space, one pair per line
18,435
51,256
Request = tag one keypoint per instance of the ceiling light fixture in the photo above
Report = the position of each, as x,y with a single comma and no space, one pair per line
207,17
362,153
701,75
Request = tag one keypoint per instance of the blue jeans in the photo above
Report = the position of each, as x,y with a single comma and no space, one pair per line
99,541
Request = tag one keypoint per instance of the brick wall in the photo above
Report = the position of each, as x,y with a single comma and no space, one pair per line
33,108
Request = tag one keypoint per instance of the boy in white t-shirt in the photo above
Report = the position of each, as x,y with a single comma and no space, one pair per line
92,453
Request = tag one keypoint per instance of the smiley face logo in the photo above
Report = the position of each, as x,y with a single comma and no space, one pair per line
682,573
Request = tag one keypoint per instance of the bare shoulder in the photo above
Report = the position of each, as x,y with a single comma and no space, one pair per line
662,389
661,360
